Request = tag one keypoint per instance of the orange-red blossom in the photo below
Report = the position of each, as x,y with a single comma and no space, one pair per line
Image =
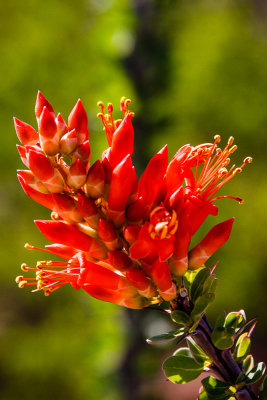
121,239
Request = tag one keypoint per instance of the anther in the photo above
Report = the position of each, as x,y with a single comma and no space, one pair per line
217,138
19,278
21,284
237,171
29,246
233,149
55,216
248,160
24,267
101,105
110,107
230,140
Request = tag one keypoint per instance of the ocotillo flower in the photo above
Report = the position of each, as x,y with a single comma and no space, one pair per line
121,240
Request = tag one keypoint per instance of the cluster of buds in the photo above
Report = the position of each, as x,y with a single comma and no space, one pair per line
121,240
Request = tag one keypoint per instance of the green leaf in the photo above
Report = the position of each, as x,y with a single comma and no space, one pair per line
255,374
215,387
235,319
197,285
221,338
167,337
210,284
201,304
182,368
184,351
181,317
248,363
242,347
197,353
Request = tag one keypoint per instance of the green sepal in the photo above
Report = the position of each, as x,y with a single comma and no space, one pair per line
181,318
242,347
198,283
182,367
206,396
167,337
215,387
248,363
201,305
197,353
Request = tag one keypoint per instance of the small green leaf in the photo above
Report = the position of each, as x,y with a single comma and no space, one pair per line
210,284
242,347
197,285
181,317
248,363
183,351
197,353
167,337
182,369
215,387
256,373
221,338
201,304
235,319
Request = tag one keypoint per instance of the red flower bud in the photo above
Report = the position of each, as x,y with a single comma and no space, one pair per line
78,120
95,182
214,239
25,132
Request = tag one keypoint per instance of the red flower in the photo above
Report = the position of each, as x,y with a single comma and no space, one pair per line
121,240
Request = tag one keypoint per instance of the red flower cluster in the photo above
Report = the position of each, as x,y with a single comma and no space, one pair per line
124,241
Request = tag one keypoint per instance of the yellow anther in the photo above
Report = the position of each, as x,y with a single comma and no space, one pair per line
230,140
24,267
248,160
54,215
237,171
21,284
19,278
164,232
174,229
173,218
150,228
222,172
101,105
233,149
218,151
154,211
46,292
39,285
28,246
217,138
39,275
153,235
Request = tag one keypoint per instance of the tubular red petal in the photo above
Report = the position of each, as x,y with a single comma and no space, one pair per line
179,261
47,124
137,278
78,120
122,141
77,174
119,260
95,182
88,210
130,233
25,132
108,234
42,102
161,275
152,183
68,142
45,199
214,239
66,234
122,182
66,207
62,251
40,165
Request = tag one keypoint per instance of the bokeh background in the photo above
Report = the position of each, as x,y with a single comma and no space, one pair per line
192,69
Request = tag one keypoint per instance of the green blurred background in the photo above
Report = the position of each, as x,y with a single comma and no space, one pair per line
192,69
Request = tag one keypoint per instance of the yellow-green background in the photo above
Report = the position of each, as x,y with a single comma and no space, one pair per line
192,69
